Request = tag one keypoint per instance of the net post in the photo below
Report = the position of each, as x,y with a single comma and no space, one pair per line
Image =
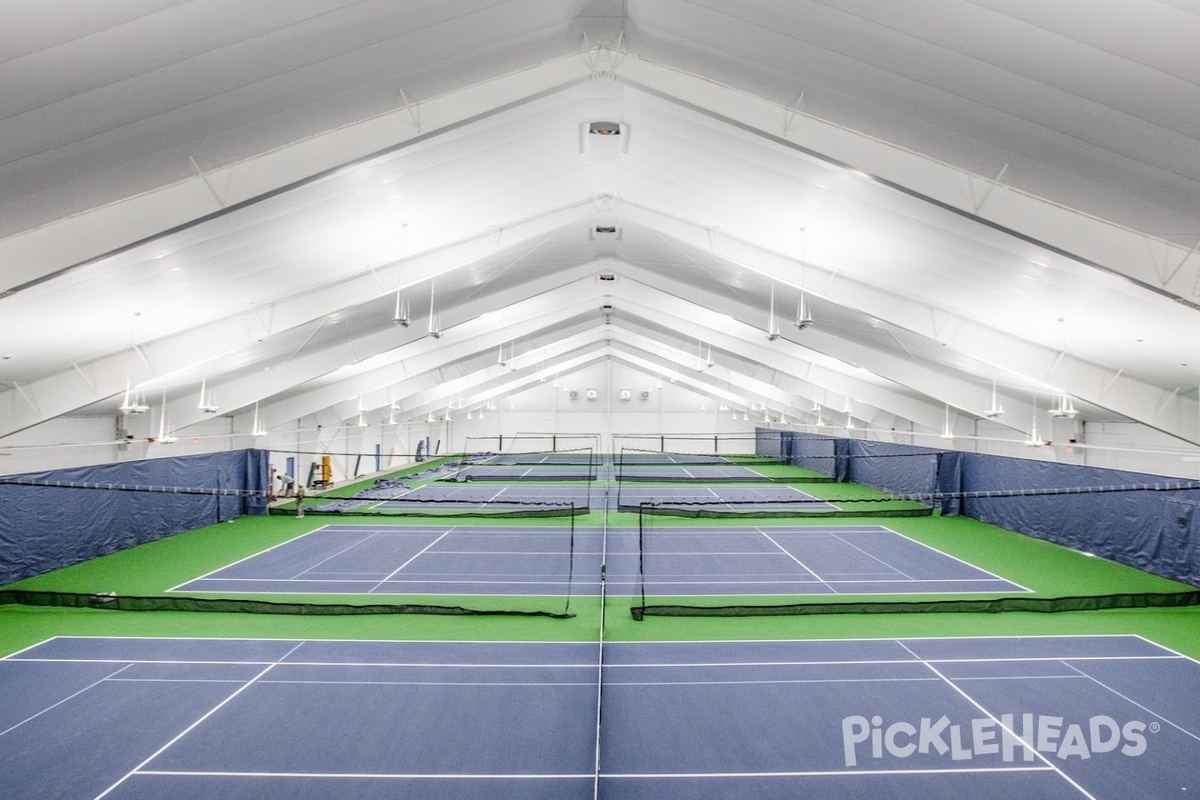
638,611
570,561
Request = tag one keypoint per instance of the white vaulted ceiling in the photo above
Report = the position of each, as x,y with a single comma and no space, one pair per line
969,193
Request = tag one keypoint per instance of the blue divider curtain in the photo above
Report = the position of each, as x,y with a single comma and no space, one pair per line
1155,531
44,528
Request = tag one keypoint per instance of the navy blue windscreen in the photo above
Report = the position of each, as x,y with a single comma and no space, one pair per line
43,528
1156,531
1152,530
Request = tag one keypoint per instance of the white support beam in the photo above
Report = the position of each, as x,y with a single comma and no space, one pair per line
475,337
35,254
1123,394
1106,245
212,343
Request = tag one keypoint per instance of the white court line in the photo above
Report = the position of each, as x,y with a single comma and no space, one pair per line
1164,647
364,540
539,684
780,681
175,680
65,699
247,558
784,550
816,580
1098,682
869,555
1032,659
955,558
393,573
588,666
1028,745
371,775
195,724
819,773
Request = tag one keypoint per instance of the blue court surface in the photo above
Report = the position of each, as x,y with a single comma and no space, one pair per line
592,457
553,561
583,472
997,718
468,497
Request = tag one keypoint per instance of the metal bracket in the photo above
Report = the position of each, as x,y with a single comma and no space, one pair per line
790,112
413,107
221,198
992,184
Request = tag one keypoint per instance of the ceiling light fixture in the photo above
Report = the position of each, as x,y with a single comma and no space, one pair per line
402,315
803,312
165,436
1034,440
772,323
1064,408
256,429
995,409
947,431
206,403
435,328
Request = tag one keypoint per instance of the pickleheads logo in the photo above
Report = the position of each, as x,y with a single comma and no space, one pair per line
1010,736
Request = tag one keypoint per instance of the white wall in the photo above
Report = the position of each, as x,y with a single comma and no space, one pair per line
549,408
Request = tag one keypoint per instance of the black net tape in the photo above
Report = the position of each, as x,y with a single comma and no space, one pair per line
437,509
779,509
1045,605
113,602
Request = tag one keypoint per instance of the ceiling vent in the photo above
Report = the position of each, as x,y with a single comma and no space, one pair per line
605,129
606,276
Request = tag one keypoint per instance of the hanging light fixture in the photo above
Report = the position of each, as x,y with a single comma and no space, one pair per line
995,409
947,431
133,403
804,317
1034,440
206,403
256,428
402,315
165,436
772,323
1065,407
803,314
435,328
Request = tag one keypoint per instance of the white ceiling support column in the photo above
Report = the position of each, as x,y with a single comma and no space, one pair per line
43,251
1120,250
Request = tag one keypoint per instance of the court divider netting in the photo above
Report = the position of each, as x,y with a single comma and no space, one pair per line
644,604
558,532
